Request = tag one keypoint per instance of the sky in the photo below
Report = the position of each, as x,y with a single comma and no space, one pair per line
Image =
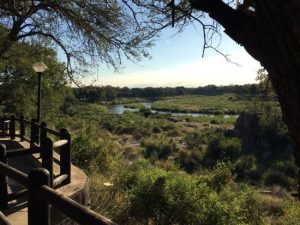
177,61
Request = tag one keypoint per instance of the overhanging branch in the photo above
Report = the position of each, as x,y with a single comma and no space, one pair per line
239,25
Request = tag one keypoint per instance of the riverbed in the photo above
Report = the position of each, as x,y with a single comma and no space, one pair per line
120,109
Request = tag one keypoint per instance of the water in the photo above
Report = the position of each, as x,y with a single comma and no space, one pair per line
120,109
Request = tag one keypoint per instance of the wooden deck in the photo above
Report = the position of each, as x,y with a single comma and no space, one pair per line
17,212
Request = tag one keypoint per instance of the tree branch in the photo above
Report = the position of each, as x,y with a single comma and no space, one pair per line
238,25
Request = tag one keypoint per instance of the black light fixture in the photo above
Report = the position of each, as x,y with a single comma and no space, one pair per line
39,68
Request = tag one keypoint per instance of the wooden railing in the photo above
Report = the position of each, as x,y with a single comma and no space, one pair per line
39,182
41,143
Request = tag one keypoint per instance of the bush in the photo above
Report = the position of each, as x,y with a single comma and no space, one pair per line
290,214
219,177
194,140
92,150
145,111
165,198
159,147
189,161
245,167
288,167
272,178
222,149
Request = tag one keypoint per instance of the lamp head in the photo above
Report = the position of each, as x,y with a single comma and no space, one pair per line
39,67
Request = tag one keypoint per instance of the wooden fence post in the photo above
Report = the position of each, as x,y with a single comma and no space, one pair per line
38,210
2,125
3,180
6,128
65,155
12,127
33,133
43,131
22,127
47,157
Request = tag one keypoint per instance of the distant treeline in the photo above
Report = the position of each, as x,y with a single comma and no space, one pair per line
94,94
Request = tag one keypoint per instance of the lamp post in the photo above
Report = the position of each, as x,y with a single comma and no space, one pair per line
39,68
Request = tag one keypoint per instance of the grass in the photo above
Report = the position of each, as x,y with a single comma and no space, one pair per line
217,105
127,100
134,105
213,119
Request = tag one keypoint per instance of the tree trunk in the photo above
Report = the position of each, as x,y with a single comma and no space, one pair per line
280,29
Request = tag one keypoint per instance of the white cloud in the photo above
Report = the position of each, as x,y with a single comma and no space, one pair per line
204,71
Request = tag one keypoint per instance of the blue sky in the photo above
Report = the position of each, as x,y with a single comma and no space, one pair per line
177,61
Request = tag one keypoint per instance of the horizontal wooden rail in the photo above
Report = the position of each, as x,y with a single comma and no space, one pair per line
17,195
60,143
27,121
74,210
15,174
54,132
21,152
4,220
60,180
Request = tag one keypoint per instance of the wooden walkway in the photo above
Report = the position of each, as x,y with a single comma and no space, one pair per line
17,212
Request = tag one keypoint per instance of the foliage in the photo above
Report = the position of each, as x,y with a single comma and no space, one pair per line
158,147
117,95
221,148
219,177
159,197
18,81
272,178
135,124
194,140
86,111
217,105
289,214
92,151
246,167
83,30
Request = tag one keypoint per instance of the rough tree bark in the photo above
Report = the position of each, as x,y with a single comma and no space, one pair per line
271,35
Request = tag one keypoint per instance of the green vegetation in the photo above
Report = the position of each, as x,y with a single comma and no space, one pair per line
162,168
18,82
134,105
152,168
218,105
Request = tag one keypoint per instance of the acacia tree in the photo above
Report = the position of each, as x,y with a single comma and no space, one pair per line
84,30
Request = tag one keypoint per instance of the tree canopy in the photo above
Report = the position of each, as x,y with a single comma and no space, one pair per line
18,82
83,29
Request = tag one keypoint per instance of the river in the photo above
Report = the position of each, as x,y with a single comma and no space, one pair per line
120,109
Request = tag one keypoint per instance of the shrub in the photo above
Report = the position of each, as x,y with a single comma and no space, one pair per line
92,150
189,161
222,149
288,167
165,198
158,146
146,112
245,167
194,140
219,177
290,214
272,177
